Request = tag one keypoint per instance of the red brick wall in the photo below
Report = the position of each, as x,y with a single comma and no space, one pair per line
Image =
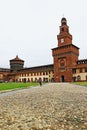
68,54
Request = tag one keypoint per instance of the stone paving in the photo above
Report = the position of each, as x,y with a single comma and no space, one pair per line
53,106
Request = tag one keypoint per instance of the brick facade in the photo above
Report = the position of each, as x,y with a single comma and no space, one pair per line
65,55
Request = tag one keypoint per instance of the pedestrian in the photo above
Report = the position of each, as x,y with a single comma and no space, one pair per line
40,82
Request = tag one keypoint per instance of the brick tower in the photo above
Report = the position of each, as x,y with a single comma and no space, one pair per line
65,56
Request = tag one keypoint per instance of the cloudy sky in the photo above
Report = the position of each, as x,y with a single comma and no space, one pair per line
29,28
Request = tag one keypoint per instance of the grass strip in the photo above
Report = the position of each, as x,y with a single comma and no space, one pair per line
81,83
9,86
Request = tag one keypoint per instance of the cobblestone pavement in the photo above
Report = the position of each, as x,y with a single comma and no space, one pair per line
53,106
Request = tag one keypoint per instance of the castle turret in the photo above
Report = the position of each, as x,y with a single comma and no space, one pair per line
16,64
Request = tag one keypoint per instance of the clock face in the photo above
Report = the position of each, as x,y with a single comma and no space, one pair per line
62,40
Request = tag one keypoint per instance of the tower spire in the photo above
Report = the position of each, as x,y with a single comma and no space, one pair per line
64,36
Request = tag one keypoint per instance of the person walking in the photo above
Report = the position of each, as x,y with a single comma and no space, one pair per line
40,82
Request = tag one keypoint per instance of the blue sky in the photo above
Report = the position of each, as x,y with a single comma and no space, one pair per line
29,29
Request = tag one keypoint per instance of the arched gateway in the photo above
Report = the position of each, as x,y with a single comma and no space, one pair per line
62,78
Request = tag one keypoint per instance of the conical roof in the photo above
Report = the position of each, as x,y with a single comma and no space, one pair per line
17,59
63,19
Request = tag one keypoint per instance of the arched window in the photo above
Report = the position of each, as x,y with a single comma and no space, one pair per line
62,63
62,29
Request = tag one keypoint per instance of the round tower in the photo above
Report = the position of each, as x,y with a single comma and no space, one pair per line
16,64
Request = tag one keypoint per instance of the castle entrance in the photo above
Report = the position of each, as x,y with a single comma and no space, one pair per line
62,78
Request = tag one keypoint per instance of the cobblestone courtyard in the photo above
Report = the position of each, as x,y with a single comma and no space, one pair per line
53,106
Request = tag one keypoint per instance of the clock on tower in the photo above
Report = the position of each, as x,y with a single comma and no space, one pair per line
62,40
